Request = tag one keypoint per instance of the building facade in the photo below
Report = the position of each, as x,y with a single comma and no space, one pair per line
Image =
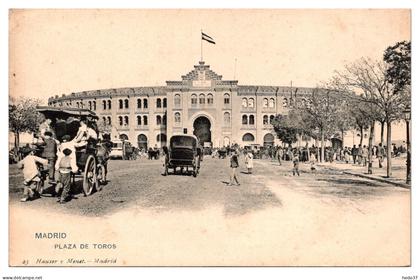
219,112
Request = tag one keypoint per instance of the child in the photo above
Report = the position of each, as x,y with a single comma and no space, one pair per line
295,165
65,167
31,175
248,161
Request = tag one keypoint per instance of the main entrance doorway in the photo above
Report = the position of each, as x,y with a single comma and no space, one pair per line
202,129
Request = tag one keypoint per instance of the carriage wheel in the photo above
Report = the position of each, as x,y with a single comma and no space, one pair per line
89,177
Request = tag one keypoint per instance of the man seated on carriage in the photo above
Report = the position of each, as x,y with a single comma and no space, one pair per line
83,135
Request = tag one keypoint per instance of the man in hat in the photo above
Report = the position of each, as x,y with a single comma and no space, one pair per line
50,153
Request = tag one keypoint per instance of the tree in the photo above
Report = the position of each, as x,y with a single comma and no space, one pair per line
23,117
320,112
285,129
398,58
368,80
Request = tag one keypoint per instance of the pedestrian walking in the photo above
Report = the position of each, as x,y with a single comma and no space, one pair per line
279,154
380,154
249,157
234,164
312,161
359,154
296,165
365,153
354,153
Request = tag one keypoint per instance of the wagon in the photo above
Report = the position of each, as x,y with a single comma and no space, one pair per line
183,152
66,121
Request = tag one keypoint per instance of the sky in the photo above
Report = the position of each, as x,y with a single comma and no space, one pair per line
63,51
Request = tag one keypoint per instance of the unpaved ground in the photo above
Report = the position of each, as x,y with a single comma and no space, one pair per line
273,218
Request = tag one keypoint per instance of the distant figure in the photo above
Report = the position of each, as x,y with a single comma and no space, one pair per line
354,153
249,157
296,165
380,154
234,164
312,161
279,155
31,175
365,154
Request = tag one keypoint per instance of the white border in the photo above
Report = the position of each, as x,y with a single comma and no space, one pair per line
199,273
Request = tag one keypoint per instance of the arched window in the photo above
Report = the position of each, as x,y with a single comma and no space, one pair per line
90,105
244,119
226,118
248,137
126,103
124,137
177,117
138,120
158,103
144,120
109,104
145,103
268,139
77,104
226,98
244,102
158,120
285,102
126,120
164,120
142,141
121,105
271,103
177,100
94,105
193,99
138,103
164,102
251,102
271,119
265,119
251,119
265,103
103,104
202,99
120,120
109,120
209,98
104,120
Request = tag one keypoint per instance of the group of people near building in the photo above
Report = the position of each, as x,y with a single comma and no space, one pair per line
59,158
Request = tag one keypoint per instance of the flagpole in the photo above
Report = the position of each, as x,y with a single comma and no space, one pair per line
201,39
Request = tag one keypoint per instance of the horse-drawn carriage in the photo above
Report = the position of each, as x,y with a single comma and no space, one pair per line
90,159
185,152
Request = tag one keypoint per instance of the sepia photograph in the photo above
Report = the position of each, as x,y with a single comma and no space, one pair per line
209,137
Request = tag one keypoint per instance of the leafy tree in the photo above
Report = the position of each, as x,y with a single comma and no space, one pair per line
23,117
285,128
398,72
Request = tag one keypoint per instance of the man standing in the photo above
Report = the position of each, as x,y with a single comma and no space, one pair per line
354,153
234,164
380,154
365,153
50,153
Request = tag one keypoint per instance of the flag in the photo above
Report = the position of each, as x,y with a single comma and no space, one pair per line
207,38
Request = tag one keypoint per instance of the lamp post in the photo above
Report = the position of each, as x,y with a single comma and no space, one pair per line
407,116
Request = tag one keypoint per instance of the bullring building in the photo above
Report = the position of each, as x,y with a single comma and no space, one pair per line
219,112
